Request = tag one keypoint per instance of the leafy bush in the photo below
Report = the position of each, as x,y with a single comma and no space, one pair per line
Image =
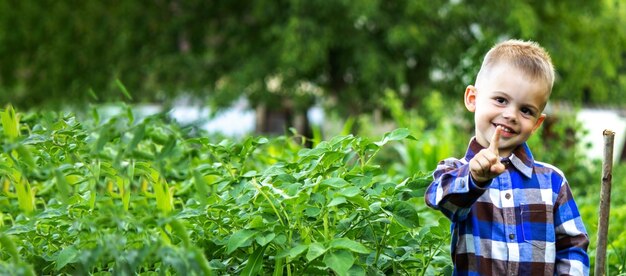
84,196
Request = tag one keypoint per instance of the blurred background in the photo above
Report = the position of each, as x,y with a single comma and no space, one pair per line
271,65
318,68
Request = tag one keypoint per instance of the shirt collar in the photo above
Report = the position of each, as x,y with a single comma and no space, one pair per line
521,157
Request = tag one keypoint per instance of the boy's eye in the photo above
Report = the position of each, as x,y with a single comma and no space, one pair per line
500,100
527,111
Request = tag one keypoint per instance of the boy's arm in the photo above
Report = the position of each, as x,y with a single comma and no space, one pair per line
458,184
453,190
571,237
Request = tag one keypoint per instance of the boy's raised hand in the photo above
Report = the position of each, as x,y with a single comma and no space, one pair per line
486,164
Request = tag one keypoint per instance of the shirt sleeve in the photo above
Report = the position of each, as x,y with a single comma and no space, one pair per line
453,191
571,237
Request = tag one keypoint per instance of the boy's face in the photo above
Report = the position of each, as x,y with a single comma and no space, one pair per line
505,96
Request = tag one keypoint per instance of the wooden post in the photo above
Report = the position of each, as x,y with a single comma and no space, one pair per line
605,203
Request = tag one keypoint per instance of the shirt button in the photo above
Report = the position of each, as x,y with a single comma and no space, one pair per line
511,236
507,196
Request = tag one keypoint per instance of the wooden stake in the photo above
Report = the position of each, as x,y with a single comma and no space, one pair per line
605,203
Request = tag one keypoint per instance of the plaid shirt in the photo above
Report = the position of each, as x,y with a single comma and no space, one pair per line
524,222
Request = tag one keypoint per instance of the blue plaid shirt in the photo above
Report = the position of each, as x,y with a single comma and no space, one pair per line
523,222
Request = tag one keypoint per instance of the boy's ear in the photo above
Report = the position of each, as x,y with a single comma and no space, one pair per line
539,122
470,98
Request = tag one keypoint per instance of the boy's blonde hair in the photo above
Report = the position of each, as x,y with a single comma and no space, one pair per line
526,56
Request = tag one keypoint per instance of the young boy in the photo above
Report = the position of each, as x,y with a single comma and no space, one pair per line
511,215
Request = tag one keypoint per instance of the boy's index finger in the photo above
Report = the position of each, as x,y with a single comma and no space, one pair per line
493,146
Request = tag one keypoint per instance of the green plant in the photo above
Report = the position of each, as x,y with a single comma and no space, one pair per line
116,195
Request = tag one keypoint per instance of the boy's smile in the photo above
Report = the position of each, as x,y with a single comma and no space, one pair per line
506,97
506,131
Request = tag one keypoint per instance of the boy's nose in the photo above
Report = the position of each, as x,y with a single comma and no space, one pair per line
509,115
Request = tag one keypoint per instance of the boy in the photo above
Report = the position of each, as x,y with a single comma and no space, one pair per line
511,215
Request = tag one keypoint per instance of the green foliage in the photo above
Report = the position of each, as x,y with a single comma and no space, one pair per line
116,195
10,123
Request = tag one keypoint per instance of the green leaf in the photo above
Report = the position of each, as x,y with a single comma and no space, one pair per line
255,222
347,126
122,88
312,211
356,270
63,187
350,191
359,181
10,122
201,185
359,201
179,229
239,238
293,252
315,153
66,256
339,139
404,213
265,239
337,201
332,157
346,243
250,174
138,135
20,229
375,207
339,261
129,114
398,134
25,156
334,182
8,246
92,94
315,250
25,195
200,259
255,262
103,138
273,171
168,148
188,213
395,135
163,195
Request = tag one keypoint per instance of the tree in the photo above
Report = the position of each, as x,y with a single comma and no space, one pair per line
285,55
